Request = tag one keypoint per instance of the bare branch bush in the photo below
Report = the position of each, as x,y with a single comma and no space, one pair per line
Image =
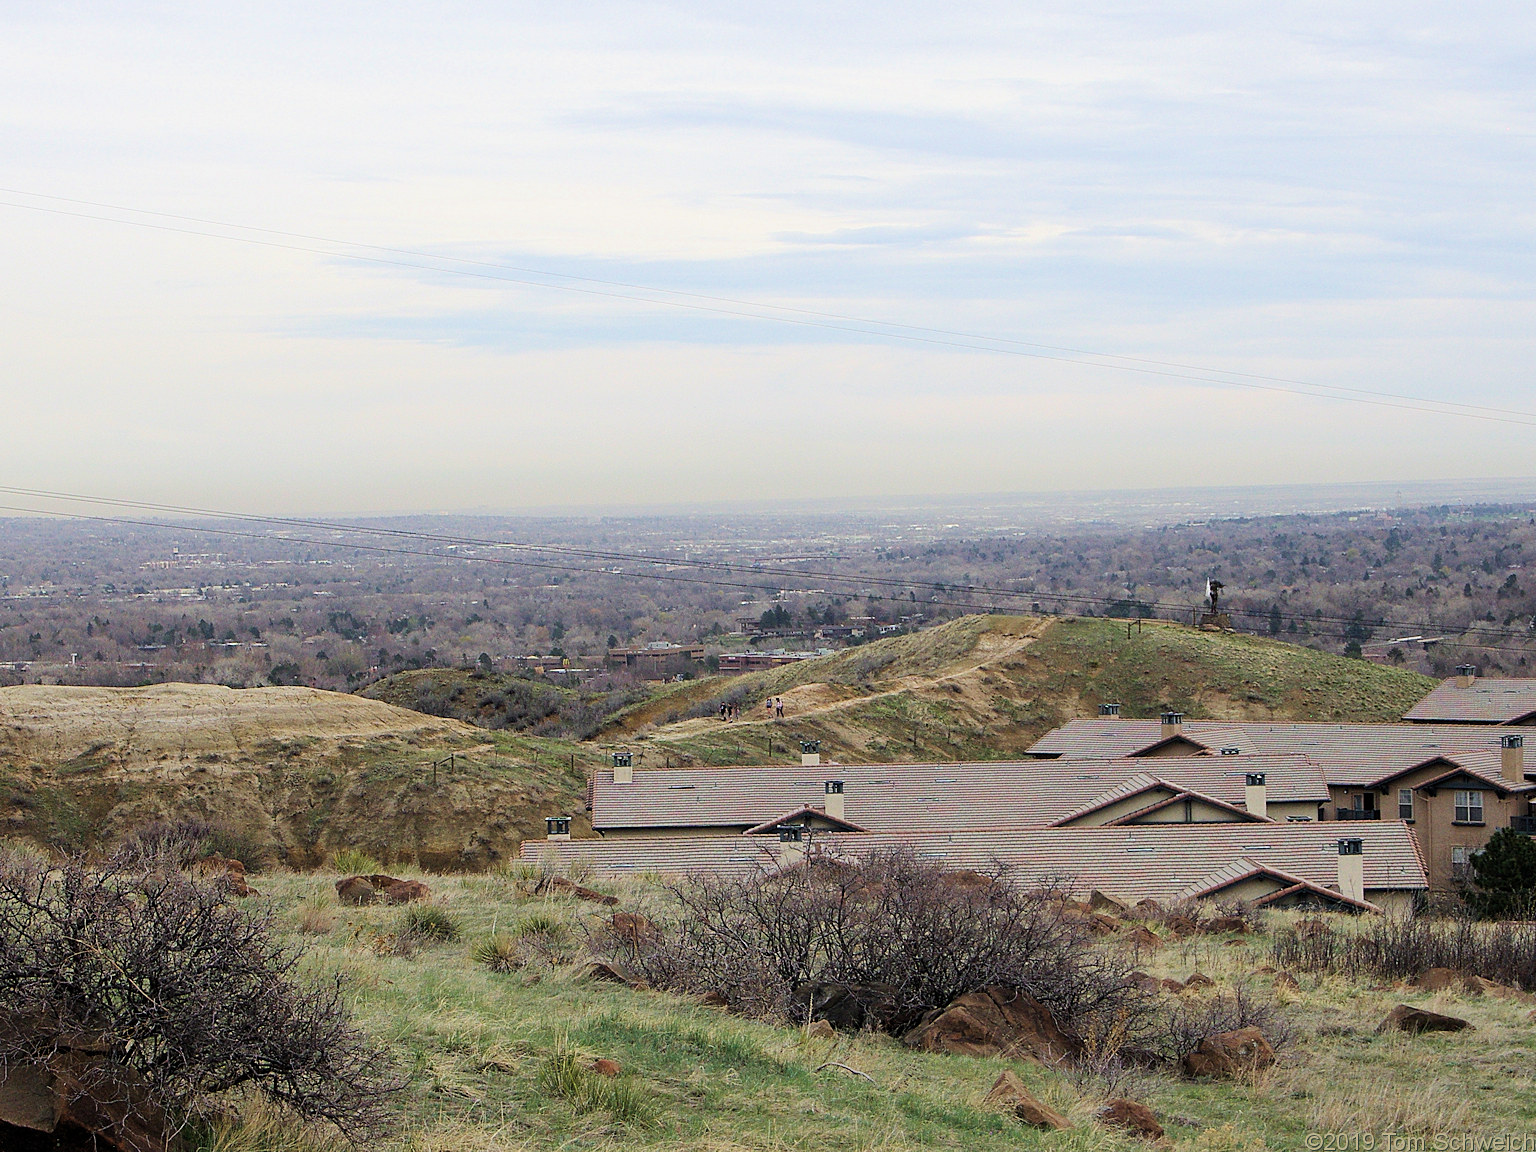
922,934
1395,948
182,998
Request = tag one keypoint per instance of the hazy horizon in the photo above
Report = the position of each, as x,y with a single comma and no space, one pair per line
1307,194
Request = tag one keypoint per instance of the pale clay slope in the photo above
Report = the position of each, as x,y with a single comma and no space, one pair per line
53,724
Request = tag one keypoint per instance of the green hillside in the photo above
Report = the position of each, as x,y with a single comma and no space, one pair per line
986,687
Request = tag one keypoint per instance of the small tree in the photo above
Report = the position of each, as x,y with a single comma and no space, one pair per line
1504,876
177,996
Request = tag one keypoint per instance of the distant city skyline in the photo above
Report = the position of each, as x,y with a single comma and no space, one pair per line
1334,197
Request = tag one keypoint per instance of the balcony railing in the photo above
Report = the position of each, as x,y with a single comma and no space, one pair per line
1359,813
1526,824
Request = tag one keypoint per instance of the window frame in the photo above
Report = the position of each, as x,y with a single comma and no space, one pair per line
1405,804
1468,806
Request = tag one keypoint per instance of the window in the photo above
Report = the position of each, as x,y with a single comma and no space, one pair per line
1458,857
1405,803
1469,808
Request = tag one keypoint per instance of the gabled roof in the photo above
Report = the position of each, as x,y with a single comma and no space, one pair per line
1173,741
1481,702
1156,861
1482,766
913,798
1139,785
1291,885
1350,755
803,817
1498,785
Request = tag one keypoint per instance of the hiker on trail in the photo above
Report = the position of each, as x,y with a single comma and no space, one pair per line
778,704
768,704
722,713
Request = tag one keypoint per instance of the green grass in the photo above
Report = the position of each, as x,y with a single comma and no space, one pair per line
500,1060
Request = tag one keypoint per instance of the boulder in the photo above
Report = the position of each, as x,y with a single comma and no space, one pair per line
1006,1091
1228,1055
571,888
1180,925
1038,1115
1135,1118
1198,980
1102,902
229,874
356,890
381,882
1477,986
995,1021
1147,908
1219,925
633,928
1438,980
1405,1018
81,1103
849,1007
1172,986
1143,981
610,972
605,1067
968,879
820,1030
406,891
1142,937
713,1000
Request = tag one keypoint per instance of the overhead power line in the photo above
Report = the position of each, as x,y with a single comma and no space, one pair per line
566,557
750,309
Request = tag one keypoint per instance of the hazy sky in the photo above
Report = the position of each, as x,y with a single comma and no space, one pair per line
1333,193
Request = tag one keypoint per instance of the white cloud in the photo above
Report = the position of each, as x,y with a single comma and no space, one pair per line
1340,197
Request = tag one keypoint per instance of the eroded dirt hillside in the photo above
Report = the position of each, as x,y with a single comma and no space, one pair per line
294,773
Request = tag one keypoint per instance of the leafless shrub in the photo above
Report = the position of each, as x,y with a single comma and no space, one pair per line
1394,948
1177,1030
184,842
922,934
176,991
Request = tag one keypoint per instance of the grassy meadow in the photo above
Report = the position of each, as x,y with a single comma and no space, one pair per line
498,1059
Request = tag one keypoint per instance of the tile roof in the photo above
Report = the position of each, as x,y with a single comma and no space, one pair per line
1481,702
926,797
1242,869
1156,861
1350,754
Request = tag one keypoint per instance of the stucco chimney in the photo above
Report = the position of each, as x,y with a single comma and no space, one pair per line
791,846
1173,724
810,753
1352,869
1465,674
1512,758
1110,710
623,768
834,805
557,827
1256,795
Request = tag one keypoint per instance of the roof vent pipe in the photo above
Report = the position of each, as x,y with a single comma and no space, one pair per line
834,806
1256,795
1465,674
1512,758
1173,724
1352,869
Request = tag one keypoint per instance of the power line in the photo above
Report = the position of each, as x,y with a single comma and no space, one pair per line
895,588
777,313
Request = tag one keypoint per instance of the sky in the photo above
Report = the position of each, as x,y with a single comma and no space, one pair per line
383,274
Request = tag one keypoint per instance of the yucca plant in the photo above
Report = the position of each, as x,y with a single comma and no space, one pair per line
424,922
354,862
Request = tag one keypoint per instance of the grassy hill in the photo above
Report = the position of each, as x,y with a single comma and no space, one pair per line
503,701
986,687
294,773
480,1047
